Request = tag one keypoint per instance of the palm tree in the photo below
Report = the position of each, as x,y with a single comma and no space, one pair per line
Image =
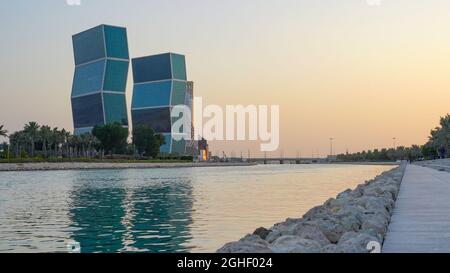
84,142
88,141
17,140
74,142
58,139
3,131
45,135
32,131
65,137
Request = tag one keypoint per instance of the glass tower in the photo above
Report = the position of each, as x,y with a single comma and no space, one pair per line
101,71
160,83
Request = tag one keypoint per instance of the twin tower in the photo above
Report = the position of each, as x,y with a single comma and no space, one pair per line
99,86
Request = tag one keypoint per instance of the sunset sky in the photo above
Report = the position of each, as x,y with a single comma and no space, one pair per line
360,73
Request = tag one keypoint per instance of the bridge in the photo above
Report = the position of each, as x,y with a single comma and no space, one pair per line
280,160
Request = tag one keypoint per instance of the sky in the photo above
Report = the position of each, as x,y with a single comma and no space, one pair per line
346,69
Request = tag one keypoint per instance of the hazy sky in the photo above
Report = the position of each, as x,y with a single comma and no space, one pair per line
362,74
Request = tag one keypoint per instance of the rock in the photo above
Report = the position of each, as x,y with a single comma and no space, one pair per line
310,231
281,229
374,204
347,236
331,248
356,244
295,244
331,228
351,217
350,194
262,232
378,225
316,212
345,194
275,234
248,244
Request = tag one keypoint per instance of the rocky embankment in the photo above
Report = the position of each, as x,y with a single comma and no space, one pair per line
346,224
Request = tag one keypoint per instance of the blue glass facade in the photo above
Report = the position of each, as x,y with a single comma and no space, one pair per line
156,118
87,111
160,83
151,94
101,72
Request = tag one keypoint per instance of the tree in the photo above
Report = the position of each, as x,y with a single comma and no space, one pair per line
440,137
146,141
112,137
46,136
65,137
32,132
3,131
87,142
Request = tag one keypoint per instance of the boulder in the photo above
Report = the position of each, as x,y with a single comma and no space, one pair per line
317,212
331,248
295,244
248,244
379,226
358,244
262,232
331,228
310,231
347,236
274,235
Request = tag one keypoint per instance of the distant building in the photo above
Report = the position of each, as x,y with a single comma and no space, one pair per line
203,150
160,83
332,158
101,71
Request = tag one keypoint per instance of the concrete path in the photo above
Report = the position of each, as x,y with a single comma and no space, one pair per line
421,219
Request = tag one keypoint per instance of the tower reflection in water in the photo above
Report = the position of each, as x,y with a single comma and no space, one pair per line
119,211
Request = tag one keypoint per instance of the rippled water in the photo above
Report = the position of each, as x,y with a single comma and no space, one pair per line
160,210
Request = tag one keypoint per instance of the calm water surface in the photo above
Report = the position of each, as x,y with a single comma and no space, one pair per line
160,210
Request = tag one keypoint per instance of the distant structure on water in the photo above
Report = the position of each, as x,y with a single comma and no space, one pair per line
99,84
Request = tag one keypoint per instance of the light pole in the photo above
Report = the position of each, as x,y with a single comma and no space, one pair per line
331,146
394,140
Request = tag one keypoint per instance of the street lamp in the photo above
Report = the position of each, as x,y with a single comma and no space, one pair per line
394,139
331,146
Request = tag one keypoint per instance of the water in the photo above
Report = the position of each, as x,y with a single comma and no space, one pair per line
160,210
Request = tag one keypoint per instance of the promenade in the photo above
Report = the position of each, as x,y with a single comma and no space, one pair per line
421,219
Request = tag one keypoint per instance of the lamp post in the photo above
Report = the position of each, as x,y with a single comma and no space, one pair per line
394,140
331,146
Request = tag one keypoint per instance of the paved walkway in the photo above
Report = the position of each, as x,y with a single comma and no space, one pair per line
421,220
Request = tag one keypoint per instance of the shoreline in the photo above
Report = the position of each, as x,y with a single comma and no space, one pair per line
356,221
66,166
